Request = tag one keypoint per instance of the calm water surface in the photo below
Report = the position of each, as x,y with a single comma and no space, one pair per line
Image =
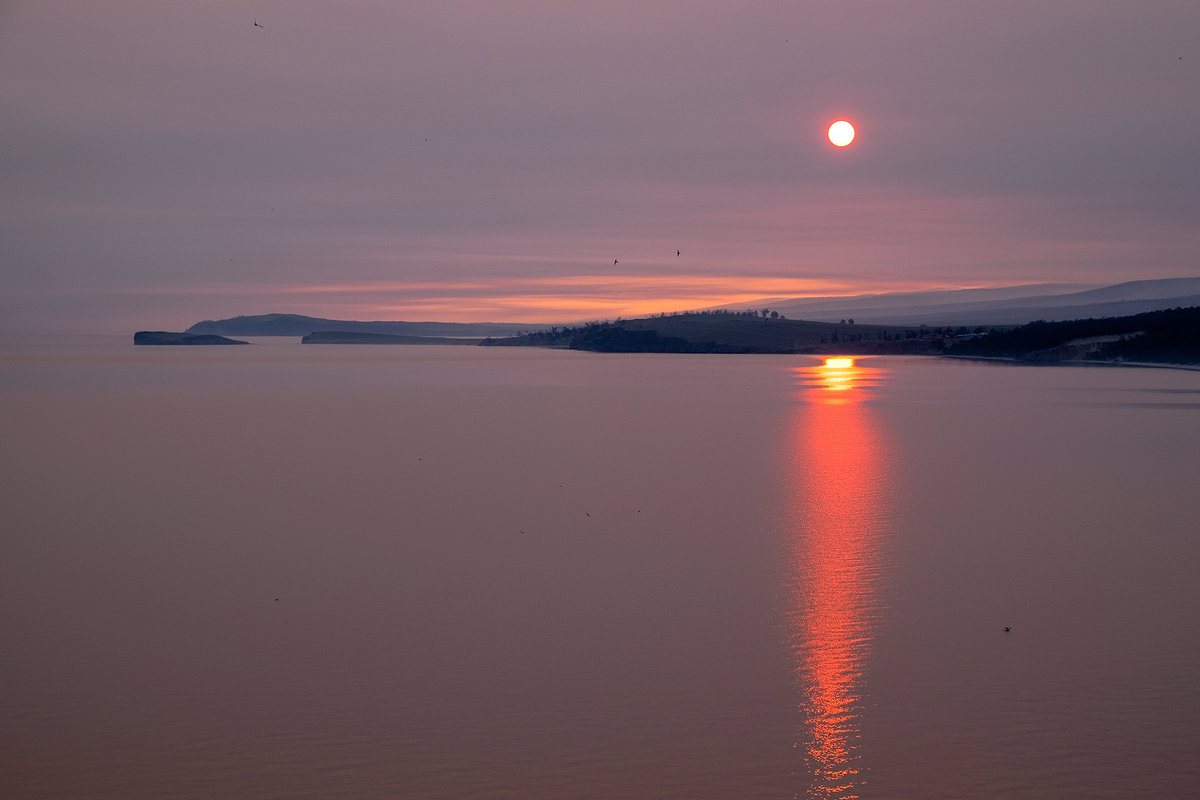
289,571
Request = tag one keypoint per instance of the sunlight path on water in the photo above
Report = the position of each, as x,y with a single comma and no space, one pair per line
839,477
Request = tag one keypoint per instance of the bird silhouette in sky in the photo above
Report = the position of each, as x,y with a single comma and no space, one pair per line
614,261
676,252
257,25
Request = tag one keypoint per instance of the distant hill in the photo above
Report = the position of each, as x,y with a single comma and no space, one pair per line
1012,305
730,332
297,325
1168,337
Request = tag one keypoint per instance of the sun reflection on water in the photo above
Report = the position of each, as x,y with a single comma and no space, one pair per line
837,376
838,479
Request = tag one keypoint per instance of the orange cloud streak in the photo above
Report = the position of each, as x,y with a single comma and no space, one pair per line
553,298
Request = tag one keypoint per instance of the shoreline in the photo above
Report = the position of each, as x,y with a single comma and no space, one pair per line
1078,362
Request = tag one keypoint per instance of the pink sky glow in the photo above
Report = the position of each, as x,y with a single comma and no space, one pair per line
166,163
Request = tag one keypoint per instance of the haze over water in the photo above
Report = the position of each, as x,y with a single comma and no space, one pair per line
303,571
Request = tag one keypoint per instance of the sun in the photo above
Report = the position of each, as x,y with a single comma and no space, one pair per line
841,133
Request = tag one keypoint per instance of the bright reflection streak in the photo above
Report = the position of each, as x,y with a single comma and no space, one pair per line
839,476
837,376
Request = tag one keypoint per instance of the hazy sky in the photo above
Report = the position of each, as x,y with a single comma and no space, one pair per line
166,162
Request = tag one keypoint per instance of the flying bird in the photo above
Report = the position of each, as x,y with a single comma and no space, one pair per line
614,261
257,25
676,252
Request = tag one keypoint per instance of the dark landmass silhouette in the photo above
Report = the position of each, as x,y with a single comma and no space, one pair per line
1164,337
298,325
896,323
170,337
762,331
1003,306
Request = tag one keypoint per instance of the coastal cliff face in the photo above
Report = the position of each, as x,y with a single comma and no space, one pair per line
170,337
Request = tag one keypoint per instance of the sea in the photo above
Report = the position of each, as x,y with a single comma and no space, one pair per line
365,571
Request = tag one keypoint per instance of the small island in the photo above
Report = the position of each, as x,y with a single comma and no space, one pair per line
171,337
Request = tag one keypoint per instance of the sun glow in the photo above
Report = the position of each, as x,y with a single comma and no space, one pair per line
841,133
